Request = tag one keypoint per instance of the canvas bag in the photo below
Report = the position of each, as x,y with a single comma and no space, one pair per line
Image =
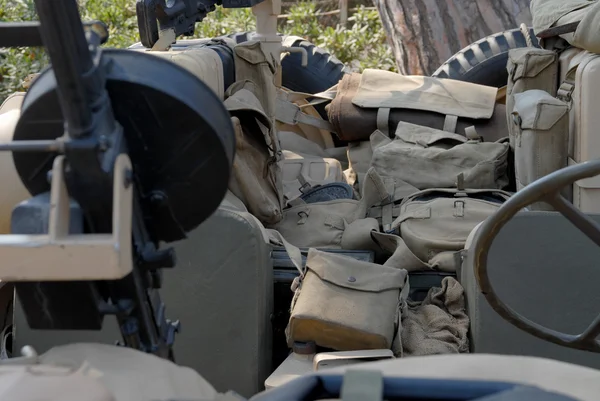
379,99
322,224
552,13
257,175
541,125
424,157
346,304
529,68
434,224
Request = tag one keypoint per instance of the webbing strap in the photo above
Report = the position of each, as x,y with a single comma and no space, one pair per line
290,113
383,120
450,123
566,88
362,385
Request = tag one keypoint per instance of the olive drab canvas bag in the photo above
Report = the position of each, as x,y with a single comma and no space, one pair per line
541,138
425,157
345,304
257,177
529,68
433,226
322,224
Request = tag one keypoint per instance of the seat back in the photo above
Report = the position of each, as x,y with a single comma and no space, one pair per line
544,268
221,291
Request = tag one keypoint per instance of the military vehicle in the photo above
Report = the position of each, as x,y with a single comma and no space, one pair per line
116,161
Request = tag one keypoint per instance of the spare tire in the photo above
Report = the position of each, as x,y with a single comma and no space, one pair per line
484,62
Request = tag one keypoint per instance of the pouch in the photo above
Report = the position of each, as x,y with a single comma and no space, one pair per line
257,175
529,68
434,224
254,63
346,304
541,125
425,157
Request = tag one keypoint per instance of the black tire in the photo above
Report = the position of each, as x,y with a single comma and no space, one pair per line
484,62
322,72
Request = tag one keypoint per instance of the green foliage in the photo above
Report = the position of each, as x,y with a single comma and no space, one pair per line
361,44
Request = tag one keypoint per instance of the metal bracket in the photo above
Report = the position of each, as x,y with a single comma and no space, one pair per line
58,256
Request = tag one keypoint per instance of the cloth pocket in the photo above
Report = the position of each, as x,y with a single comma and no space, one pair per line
541,125
529,68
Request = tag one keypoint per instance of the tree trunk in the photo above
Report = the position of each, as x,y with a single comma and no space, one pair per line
423,34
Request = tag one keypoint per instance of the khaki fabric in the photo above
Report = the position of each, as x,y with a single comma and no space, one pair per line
437,325
387,89
424,157
542,138
297,143
131,375
587,35
434,225
203,62
49,383
299,169
346,304
545,13
294,113
529,68
255,64
257,176
322,224
355,123
359,158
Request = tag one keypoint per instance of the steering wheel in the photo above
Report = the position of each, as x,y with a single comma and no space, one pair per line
547,190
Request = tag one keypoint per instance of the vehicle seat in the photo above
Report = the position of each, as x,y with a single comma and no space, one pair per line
221,290
545,269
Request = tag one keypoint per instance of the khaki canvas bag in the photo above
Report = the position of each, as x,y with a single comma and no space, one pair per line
529,68
425,157
541,126
257,175
346,304
434,224
322,224
343,303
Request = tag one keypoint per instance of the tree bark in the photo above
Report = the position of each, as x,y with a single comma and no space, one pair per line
423,34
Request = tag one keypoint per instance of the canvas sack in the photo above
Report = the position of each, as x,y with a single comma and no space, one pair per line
434,224
425,157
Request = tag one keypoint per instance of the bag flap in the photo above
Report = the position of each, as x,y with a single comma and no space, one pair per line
528,62
538,109
587,35
387,89
254,53
546,12
426,136
354,274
